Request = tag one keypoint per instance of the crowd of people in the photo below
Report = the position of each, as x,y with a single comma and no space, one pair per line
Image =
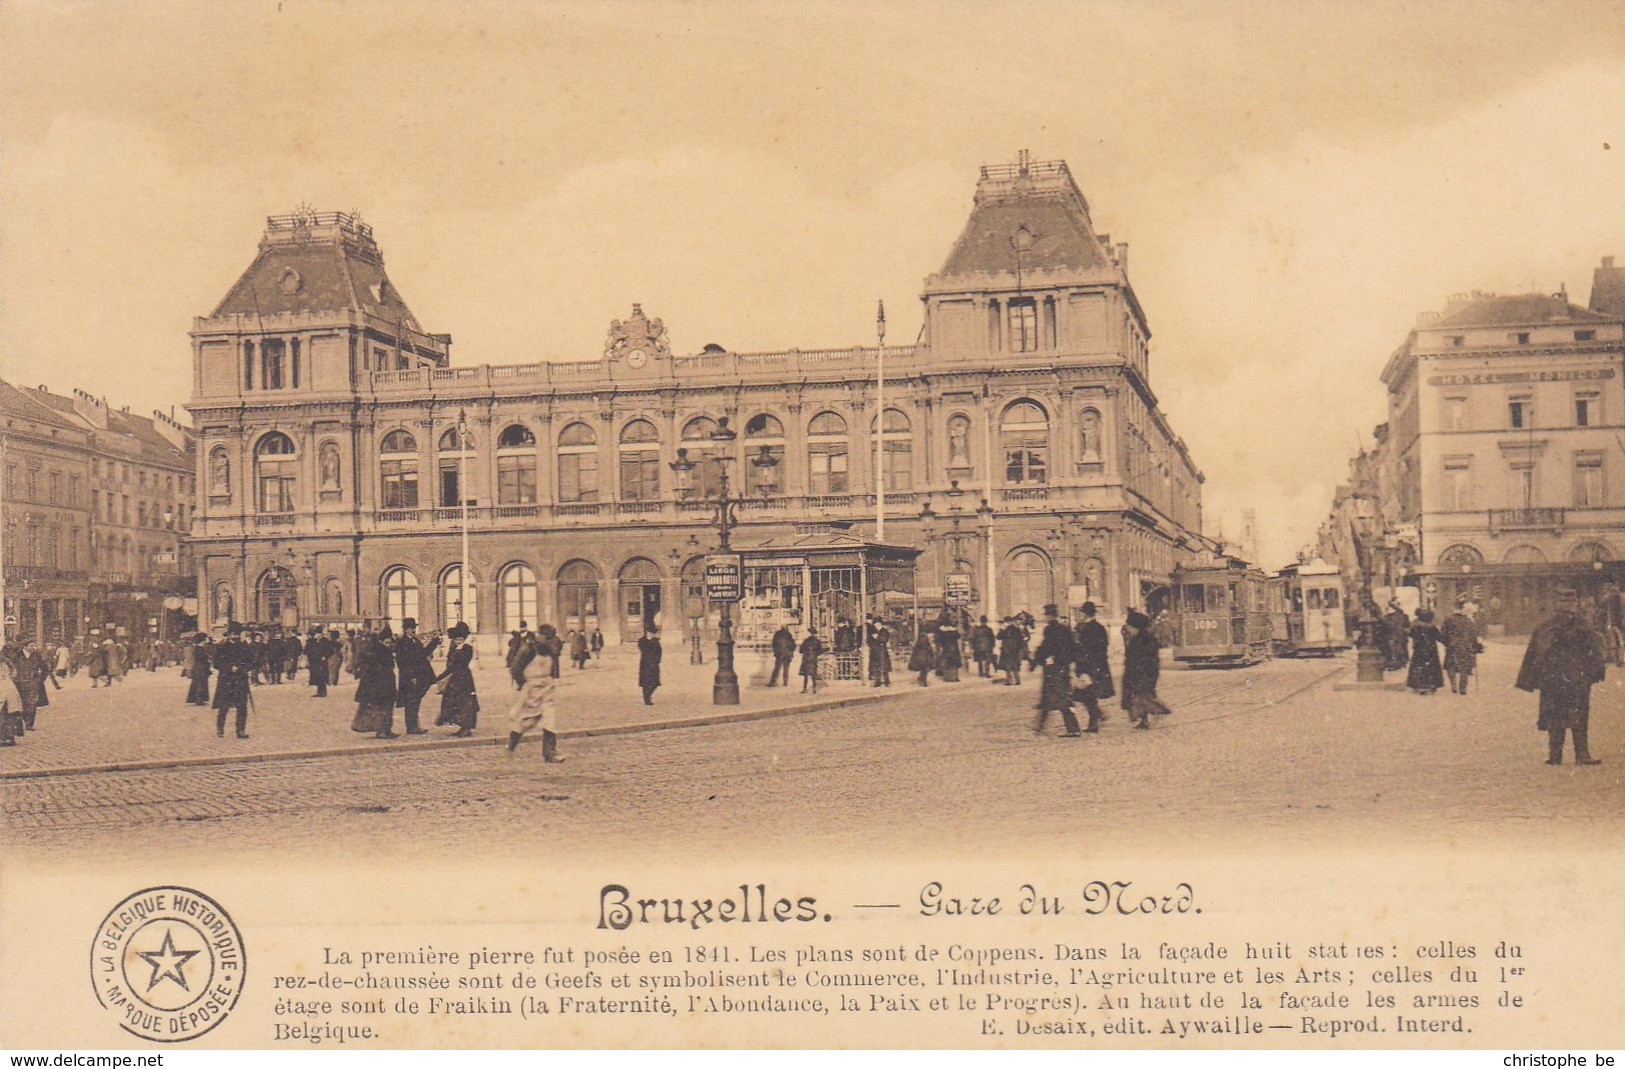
1566,656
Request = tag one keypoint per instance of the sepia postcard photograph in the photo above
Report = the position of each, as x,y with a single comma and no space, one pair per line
711,524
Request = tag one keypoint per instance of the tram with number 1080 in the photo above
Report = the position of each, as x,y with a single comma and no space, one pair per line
1221,614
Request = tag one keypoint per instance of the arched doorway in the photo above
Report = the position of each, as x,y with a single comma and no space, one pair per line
278,598
578,596
1028,587
640,597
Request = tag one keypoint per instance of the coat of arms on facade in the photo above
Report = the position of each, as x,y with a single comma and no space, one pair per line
637,339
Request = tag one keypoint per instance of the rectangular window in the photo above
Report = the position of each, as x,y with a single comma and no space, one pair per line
1458,484
1521,488
897,466
1521,337
640,475
399,481
73,490
1585,409
1026,459
516,480
1458,340
1455,413
276,486
578,477
1585,335
1195,600
271,364
1024,326
1588,480
827,470
1520,413
451,477
293,361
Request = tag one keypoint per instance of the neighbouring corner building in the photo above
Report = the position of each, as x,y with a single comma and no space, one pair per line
94,516
1500,473
1022,451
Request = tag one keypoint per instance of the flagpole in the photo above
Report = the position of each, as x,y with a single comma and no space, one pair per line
462,493
880,424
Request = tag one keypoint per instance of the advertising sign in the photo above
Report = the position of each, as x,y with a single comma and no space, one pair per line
724,577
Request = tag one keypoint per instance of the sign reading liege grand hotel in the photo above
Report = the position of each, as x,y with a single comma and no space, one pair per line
335,485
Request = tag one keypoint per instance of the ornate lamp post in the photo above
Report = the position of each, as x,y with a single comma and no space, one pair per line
725,685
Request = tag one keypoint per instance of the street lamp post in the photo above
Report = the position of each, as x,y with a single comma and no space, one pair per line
725,685
1369,657
463,447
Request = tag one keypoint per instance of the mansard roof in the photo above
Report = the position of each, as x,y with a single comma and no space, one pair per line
316,262
1043,199
1516,310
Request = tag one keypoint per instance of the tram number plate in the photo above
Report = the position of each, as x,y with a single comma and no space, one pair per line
1204,625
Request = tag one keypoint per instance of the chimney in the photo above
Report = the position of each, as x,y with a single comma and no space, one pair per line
93,410
1122,255
1608,289
175,434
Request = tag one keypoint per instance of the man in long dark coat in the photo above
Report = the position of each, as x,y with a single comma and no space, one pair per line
1054,656
1563,661
1012,651
878,638
317,652
234,661
981,647
1092,641
784,653
416,673
1460,647
649,654
1396,637
1142,664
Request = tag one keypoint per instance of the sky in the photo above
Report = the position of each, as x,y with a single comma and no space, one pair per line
1296,181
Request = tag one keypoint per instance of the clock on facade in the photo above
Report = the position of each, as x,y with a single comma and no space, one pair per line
636,359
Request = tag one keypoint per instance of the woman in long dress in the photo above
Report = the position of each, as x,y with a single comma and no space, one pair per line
534,705
1426,674
198,670
459,705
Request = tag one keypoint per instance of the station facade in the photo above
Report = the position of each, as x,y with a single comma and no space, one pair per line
341,453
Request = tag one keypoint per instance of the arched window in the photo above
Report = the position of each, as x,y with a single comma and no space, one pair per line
896,452
1591,553
398,471
278,597
400,588
640,461
275,472
1459,554
518,586
454,454
827,461
578,595
1028,587
1024,437
458,600
219,472
516,467
517,436
764,454
706,478
578,464
1524,555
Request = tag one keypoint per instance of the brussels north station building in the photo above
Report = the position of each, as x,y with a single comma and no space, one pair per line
344,461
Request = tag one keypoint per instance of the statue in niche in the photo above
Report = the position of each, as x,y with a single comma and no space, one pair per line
220,475
222,603
1089,437
959,442
330,466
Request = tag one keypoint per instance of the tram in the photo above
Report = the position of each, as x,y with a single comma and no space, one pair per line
1307,612
1221,614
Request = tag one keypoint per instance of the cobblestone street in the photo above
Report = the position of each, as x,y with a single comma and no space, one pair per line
1276,752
